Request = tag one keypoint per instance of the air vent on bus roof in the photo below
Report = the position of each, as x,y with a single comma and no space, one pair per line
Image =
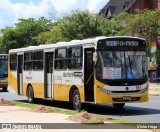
41,44
61,42
95,37
75,40
31,46
98,37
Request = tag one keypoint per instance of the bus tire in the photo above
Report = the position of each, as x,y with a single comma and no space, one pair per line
76,100
30,94
119,106
4,89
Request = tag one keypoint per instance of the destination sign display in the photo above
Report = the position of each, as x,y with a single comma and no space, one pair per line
121,43
3,57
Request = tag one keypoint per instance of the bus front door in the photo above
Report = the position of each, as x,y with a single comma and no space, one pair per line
20,74
89,75
48,88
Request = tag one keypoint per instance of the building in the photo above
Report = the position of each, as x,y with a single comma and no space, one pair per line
130,6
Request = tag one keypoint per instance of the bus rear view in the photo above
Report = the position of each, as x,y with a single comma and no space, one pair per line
3,71
121,71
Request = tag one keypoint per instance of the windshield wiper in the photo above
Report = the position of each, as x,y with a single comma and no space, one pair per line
117,57
143,71
130,64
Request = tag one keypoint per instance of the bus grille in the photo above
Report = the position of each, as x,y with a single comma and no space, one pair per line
125,92
125,83
126,100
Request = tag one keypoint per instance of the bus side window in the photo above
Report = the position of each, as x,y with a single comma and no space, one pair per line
61,59
38,60
28,60
75,58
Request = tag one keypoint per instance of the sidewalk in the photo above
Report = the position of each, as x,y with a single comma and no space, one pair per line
15,114
154,89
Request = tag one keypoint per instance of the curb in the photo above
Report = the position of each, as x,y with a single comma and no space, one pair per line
154,90
156,94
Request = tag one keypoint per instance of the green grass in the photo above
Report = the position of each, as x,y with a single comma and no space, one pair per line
56,110
26,105
100,118
96,119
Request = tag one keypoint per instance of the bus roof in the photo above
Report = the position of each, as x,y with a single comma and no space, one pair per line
3,54
70,43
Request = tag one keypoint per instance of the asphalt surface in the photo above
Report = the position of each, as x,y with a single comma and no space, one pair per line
148,112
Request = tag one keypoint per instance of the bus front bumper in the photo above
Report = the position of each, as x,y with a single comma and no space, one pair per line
121,98
3,84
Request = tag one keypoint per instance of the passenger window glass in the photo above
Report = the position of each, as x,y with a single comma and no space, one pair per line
38,60
75,58
61,61
28,60
61,53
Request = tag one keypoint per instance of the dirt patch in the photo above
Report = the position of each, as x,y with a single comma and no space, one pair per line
80,117
85,117
41,109
6,103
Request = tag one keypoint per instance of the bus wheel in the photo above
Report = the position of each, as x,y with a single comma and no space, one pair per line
119,106
4,88
30,94
76,100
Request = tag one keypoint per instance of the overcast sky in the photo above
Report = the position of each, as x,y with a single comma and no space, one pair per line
11,10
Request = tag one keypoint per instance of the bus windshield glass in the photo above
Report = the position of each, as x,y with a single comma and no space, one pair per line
3,66
128,65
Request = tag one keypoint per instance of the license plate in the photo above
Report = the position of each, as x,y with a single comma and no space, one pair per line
127,97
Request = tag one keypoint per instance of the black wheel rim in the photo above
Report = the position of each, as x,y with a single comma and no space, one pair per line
76,102
30,96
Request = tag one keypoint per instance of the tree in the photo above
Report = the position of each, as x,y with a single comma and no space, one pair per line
24,33
145,24
78,25
2,49
8,40
82,25
28,29
53,36
122,24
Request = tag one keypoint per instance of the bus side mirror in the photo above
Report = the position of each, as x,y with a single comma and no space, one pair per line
95,56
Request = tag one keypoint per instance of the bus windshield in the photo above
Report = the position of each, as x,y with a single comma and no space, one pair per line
3,66
121,65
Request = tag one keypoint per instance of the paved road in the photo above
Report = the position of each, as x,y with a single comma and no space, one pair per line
11,96
148,112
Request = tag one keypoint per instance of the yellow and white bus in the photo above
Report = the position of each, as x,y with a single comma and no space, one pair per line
98,70
3,71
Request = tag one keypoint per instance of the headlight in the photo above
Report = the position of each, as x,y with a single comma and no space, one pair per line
144,90
104,90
